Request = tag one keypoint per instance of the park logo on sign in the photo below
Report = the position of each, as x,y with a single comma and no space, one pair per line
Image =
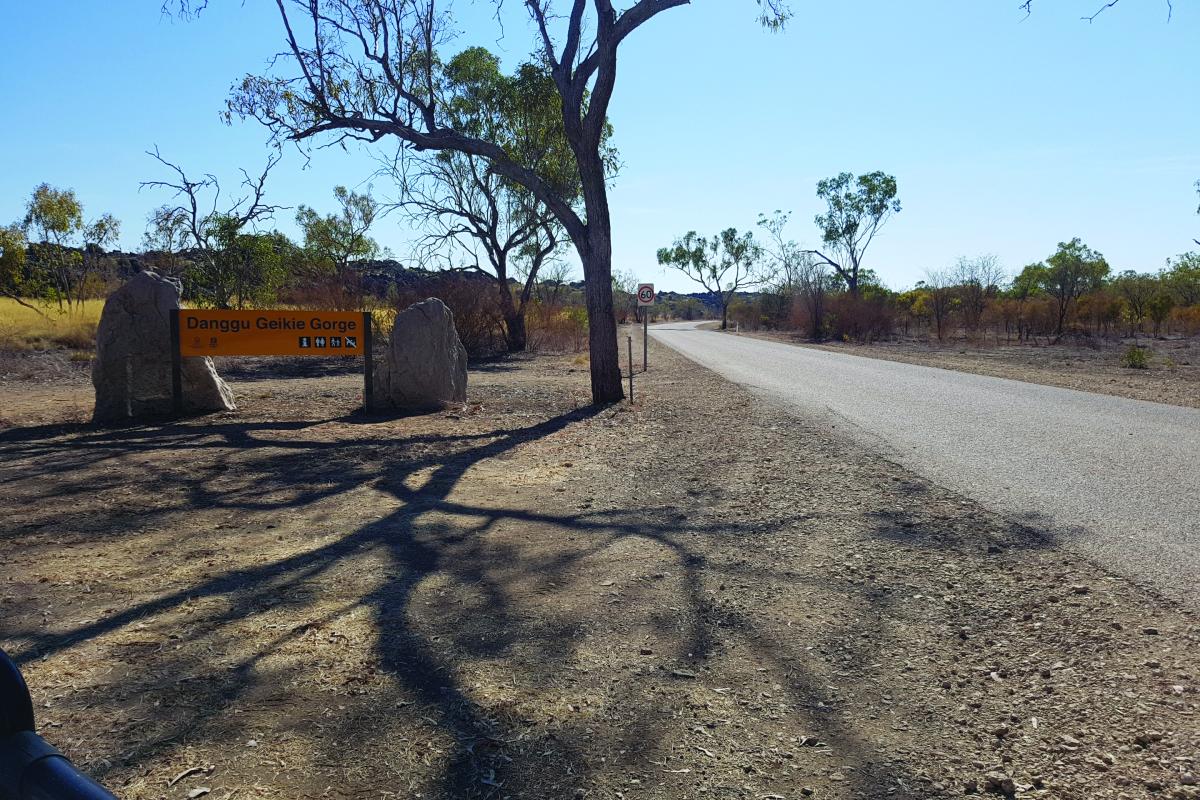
645,294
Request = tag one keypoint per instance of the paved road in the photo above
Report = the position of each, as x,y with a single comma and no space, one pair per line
1117,478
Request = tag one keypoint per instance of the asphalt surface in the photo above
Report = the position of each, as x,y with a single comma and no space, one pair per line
1117,479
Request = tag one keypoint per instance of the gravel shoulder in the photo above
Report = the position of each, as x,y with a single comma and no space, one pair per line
1172,377
700,596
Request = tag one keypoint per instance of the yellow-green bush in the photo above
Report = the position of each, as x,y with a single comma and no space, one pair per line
1135,358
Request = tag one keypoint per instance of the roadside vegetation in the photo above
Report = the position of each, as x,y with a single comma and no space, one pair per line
1073,296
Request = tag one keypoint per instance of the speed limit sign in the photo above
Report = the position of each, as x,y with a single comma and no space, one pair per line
645,294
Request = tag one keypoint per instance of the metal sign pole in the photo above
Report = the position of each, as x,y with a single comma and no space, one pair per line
176,367
368,361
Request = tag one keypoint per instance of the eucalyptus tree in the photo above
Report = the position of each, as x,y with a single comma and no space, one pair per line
53,222
722,264
1137,290
338,240
229,266
1074,270
460,201
856,208
334,242
372,69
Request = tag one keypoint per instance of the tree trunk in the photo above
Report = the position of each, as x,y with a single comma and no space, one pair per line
514,316
595,253
514,331
724,316
602,324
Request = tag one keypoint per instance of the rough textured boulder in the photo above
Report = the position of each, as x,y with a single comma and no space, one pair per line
426,365
132,370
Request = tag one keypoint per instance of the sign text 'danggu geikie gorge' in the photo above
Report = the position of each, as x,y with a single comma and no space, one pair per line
270,333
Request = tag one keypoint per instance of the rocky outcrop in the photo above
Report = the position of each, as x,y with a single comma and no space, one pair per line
132,369
425,367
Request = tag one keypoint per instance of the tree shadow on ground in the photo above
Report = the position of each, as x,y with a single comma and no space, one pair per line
429,532
1025,532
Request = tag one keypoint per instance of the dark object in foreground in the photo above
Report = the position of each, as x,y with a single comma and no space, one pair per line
30,769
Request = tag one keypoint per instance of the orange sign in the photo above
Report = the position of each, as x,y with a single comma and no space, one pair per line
271,333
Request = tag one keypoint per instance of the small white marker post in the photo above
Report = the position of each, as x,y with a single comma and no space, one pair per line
645,297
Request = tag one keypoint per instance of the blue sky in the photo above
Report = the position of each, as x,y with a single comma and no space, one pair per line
1007,134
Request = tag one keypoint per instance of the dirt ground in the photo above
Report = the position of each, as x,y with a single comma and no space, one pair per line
1173,374
696,597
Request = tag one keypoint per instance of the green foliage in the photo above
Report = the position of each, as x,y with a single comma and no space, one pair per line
1135,357
1075,265
65,251
244,269
1028,283
1159,308
1074,270
467,207
331,242
1136,290
102,232
14,280
53,221
1182,278
856,208
721,264
855,203
522,113
54,215
228,264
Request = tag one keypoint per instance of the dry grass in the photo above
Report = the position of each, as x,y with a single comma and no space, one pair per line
23,328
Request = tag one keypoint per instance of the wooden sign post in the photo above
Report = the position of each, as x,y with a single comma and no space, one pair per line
327,334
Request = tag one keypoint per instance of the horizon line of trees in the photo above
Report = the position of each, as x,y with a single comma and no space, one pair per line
831,293
1073,292
224,260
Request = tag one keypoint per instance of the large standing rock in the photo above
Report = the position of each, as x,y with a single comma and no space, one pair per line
132,370
426,365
